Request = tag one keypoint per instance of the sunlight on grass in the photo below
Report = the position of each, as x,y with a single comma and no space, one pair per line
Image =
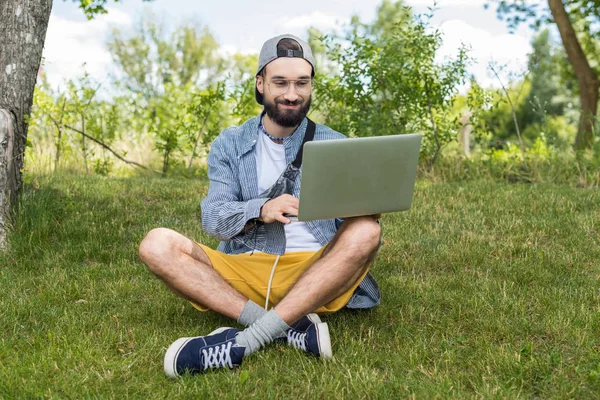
489,290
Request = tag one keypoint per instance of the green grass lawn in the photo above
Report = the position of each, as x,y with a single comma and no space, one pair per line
489,290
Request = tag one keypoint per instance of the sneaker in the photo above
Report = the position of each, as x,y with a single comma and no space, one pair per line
311,335
304,322
198,354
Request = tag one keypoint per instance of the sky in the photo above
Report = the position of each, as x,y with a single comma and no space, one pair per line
243,26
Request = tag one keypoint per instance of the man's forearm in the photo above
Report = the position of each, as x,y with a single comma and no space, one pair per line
226,220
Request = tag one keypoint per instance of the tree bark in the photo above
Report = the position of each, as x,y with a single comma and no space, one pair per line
588,81
23,25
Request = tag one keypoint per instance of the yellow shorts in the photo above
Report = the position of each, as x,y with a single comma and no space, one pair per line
249,274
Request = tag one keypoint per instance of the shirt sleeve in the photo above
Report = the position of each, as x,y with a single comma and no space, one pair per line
224,214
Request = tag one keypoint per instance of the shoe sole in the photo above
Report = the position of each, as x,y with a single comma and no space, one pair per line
323,337
171,356
324,341
314,318
173,352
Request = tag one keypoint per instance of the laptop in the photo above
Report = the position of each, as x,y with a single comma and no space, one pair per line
362,176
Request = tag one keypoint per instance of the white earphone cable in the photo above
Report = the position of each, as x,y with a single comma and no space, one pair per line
270,282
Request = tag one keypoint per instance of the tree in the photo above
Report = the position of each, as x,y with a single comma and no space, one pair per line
165,73
544,98
23,25
538,94
389,82
578,24
149,59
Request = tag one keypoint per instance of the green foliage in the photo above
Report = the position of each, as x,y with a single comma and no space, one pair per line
583,14
542,105
545,162
61,117
479,103
584,18
390,14
244,102
557,131
91,8
203,120
149,58
165,116
175,92
516,12
547,96
393,84
499,119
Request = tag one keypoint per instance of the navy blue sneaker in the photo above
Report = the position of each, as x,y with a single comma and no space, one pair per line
311,335
198,354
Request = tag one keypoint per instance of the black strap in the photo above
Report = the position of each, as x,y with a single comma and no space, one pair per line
308,136
290,53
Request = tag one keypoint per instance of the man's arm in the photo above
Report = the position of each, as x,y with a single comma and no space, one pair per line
224,215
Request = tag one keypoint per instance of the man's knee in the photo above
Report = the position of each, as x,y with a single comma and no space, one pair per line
366,231
359,238
158,247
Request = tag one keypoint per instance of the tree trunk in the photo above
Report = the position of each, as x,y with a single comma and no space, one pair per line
588,81
23,26
83,147
57,158
465,133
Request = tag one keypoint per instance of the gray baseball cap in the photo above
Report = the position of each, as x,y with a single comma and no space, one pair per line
269,53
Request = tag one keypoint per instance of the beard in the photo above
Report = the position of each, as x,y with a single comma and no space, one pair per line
287,118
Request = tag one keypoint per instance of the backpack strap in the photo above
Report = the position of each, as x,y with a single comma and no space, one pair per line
308,136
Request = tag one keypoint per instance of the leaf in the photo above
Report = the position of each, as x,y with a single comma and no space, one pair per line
244,376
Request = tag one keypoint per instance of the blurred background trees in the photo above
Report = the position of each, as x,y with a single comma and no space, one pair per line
175,91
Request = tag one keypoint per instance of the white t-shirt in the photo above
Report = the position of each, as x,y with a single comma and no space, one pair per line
270,164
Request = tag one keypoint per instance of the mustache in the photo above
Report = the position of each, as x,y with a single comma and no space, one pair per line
289,103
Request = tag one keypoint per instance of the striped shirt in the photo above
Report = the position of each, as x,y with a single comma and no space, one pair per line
233,200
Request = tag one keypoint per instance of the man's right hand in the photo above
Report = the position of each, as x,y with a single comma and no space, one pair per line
274,209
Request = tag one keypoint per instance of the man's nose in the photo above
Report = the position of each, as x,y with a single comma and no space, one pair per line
291,94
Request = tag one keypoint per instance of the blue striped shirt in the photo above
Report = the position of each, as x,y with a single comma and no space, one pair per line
233,199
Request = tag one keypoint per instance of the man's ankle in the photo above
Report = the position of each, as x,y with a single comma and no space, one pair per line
251,313
265,330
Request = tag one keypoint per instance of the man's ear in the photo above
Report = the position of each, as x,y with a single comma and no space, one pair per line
260,84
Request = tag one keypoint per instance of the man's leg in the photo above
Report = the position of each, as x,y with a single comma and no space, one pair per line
184,267
341,265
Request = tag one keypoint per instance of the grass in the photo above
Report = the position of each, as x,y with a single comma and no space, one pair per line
489,291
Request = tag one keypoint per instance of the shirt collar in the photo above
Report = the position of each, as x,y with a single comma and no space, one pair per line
251,133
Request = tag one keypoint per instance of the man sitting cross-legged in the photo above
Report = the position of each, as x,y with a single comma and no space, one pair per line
298,269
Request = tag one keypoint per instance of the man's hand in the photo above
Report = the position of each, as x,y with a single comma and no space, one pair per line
274,209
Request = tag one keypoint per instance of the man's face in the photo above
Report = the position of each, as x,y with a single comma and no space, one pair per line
289,108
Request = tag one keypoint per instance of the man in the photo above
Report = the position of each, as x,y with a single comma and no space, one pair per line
296,269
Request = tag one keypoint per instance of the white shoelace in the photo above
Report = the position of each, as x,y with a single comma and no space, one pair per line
297,339
218,356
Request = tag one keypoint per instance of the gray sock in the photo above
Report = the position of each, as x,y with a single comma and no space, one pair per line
262,332
251,313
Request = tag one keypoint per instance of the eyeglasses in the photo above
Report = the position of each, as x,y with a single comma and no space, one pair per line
278,87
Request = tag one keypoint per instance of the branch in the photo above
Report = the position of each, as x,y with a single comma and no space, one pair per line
435,132
197,139
93,139
62,111
105,146
92,97
512,108
385,98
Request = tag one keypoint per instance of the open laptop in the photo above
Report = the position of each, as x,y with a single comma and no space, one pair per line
363,176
